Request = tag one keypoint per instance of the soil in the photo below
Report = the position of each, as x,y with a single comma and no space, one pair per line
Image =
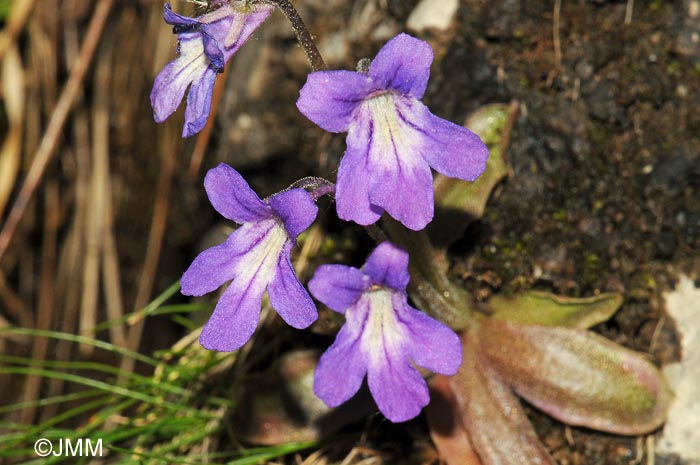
603,194
605,164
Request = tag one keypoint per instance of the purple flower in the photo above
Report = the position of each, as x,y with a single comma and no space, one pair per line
393,139
206,44
255,257
381,337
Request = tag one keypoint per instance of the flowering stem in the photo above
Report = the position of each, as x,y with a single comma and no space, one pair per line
317,187
430,288
303,35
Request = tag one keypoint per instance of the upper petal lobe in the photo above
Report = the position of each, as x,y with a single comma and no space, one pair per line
403,65
232,197
388,265
329,98
338,286
296,209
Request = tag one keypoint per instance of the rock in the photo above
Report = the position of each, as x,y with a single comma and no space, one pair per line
432,14
681,434
688,39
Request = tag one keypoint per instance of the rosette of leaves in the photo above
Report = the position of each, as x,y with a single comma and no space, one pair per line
535,345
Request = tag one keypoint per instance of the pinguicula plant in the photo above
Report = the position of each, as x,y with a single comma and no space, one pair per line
484,354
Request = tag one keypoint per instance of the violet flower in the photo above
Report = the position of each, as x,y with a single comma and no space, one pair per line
381,337
255,256
393,139
206,44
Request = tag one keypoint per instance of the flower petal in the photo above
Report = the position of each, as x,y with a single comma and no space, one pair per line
448,148
296,209
329,98
235,317
255,15
288,297
338,286
403,65
172,82
400,180
179,21
220,263
388,265
210,269
397,387
433,344
342,367
232,197
199,103
352,186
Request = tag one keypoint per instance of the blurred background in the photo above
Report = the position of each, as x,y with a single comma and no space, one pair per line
102,209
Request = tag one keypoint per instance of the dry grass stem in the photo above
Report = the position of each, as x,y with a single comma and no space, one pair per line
58,118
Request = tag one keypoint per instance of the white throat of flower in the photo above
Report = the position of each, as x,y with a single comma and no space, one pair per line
383,332
261,260
389,129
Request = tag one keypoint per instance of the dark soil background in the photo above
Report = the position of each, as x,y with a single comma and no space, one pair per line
604,191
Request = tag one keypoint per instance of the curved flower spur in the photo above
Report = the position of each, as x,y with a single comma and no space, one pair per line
381,337
205,45
256,256
393,139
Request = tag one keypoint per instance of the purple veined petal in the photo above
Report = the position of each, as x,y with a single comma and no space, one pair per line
388,265
397,387
253,17
213,51
400,180
330,98
287,295
172,82
296,209
199,103
352,186
210,269
342,368
433,345
403,65
338,286
179,21
232,197
219,264
235,317
448,148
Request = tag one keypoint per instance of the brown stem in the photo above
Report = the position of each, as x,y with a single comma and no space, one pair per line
47,147
430,288
304,37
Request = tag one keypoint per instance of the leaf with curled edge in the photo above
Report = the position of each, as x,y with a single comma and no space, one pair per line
577,376
491,415
458,203
545,309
